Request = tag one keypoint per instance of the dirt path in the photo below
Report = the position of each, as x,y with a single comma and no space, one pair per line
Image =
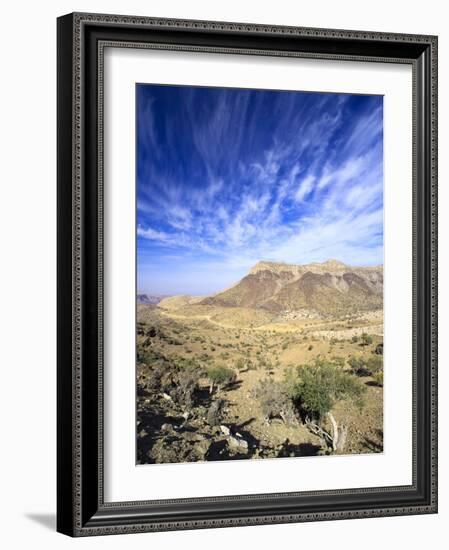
288,326
196,318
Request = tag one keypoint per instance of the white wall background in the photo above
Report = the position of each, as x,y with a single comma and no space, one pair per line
27,276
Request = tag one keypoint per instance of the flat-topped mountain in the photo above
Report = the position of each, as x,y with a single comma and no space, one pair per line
326,288
316,267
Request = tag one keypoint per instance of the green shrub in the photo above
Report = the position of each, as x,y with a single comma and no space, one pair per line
358,366
366,367
379,378
219,377
355,339
366,339
316,388
375,364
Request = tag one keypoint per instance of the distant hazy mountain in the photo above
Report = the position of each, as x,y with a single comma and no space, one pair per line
150,299
326,288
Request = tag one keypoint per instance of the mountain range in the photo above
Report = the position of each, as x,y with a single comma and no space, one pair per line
328,288
150,299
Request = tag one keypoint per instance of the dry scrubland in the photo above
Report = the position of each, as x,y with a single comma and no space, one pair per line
217,383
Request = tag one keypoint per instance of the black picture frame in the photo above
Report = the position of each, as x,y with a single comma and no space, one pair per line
81,510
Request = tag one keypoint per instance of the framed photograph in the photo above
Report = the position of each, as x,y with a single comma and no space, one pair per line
247,278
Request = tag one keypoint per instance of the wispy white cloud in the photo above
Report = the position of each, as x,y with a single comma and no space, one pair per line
305,187
299,182
153,235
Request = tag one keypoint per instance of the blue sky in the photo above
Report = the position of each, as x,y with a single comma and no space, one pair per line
227,177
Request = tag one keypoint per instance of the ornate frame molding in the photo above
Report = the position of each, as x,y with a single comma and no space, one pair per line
82,510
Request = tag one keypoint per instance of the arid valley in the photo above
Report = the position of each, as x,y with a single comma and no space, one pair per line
287,362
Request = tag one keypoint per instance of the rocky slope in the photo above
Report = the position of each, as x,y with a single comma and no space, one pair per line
328,288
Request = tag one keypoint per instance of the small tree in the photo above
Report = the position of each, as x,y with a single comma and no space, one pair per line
275,401
366,339
358,366
186,383
219,377
316,389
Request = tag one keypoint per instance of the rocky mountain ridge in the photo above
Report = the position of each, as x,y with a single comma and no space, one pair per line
150,299
328,288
